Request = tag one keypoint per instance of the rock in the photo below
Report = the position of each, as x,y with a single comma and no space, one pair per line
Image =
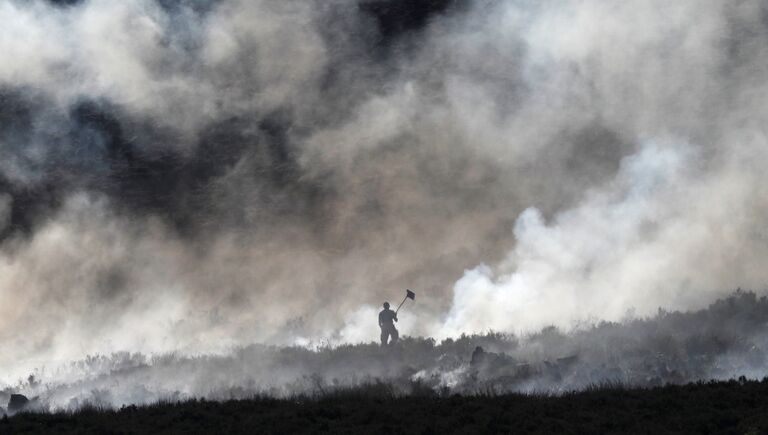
17,403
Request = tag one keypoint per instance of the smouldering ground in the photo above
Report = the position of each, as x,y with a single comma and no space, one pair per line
726,340
738,407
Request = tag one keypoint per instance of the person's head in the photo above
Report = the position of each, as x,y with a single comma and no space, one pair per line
386,305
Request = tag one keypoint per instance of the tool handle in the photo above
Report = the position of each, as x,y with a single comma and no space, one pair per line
401,304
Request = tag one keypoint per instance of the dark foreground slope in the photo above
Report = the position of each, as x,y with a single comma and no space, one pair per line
739,407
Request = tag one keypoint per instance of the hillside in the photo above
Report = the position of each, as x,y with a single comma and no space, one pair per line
738,407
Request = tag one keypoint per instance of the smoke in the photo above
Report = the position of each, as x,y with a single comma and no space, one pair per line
678,221
195,176
633,244
724,341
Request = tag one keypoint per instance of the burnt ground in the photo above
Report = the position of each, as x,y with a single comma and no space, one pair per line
738,407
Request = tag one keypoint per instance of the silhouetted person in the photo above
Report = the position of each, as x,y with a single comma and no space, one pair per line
387,318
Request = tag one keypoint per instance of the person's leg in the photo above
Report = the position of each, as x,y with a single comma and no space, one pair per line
384,336
395,335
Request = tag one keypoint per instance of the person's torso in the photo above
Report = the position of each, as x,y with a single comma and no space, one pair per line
386,317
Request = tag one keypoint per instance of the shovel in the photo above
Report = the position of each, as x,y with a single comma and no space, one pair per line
408,294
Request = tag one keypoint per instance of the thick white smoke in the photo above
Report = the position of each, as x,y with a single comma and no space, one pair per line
301,162
673,227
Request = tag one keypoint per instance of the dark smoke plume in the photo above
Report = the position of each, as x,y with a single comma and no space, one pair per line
196,176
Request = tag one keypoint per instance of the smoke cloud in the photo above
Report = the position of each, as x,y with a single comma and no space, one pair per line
194,176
